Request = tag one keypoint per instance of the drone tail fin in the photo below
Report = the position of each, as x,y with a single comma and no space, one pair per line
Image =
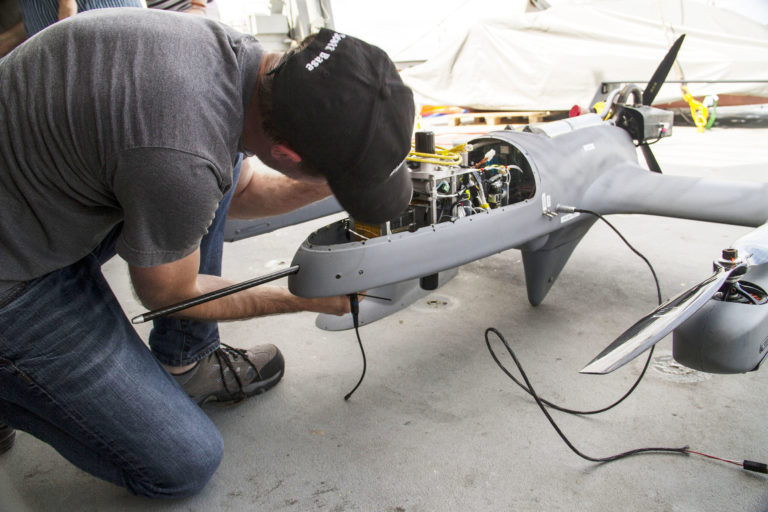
544,263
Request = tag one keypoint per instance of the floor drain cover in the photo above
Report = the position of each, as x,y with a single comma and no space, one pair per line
666,366
437,303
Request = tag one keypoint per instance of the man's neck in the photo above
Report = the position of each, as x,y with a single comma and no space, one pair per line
253,137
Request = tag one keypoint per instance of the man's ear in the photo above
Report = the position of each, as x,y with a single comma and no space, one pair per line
281,152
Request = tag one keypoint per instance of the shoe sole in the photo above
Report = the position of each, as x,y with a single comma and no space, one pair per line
6,443
224,399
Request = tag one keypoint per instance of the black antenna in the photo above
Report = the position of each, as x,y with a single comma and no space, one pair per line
216,294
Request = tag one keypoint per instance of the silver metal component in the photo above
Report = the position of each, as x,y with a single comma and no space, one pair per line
546,206
608,103
433,199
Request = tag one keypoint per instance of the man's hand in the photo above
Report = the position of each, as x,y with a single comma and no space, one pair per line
338,305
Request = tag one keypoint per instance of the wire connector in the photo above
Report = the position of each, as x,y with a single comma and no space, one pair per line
757,467
354,309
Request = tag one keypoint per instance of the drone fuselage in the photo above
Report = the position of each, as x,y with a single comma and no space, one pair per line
529,199
589,164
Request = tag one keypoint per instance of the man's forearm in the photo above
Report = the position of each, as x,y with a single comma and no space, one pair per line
164,285
267,193
258,301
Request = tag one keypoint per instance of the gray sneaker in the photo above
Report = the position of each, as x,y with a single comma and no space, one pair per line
230,375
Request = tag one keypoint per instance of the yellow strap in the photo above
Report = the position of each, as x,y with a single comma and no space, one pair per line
699,112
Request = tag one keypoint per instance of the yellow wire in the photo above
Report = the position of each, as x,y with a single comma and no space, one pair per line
442,156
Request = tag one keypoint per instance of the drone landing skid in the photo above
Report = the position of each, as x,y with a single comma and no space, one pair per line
402,295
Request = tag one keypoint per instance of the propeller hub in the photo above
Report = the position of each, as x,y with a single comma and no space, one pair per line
730,260
730,254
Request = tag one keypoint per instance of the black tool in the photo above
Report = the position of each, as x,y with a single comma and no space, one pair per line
216,294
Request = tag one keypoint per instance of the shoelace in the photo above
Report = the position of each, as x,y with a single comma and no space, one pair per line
225,355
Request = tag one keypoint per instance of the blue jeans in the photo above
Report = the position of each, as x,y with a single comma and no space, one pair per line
178,342
38,14
75,374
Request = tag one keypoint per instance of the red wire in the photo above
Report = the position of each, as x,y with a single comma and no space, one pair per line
713,457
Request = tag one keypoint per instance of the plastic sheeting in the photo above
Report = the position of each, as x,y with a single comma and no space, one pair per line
556,58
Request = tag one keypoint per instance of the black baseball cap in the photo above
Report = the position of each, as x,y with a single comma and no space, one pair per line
341,105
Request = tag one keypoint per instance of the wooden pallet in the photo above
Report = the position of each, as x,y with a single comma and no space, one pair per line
497,118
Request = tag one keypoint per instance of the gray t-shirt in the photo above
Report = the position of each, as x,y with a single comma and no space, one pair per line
118,115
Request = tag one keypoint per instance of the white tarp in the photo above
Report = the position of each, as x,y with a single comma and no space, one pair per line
556,58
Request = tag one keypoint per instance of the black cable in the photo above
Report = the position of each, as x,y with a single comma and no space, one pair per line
354,306
647,361
639,254
682,450
574,411
543,404
749,465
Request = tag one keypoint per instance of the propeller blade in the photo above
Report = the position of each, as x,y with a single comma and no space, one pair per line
753,246
650,329
657,80
653,164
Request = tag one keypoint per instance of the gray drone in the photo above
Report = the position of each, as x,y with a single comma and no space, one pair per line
539,185
536,184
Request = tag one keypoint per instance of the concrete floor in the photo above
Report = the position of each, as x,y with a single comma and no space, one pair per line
437,426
